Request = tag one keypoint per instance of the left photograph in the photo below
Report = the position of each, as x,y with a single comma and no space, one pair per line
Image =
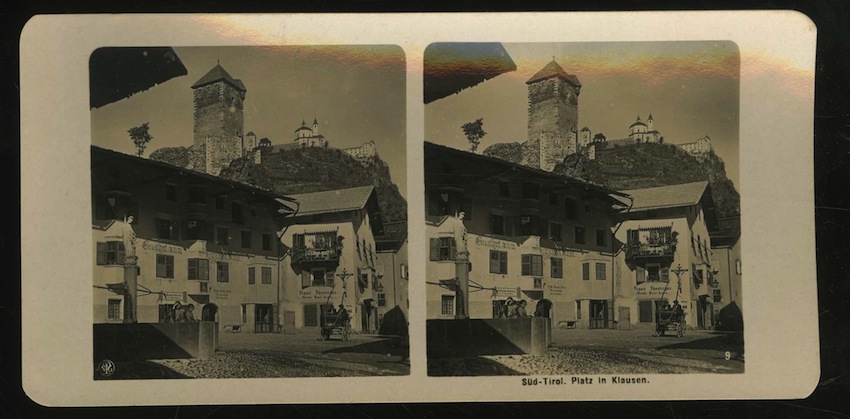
249,213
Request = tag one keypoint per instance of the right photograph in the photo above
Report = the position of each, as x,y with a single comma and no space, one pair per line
582,215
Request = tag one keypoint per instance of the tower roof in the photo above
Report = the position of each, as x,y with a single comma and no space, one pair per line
315,121
553,70
218,73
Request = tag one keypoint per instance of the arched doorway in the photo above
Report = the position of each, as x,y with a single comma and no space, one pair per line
209,312
543,309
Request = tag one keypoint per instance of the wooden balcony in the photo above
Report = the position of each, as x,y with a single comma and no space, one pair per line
649,243
304,254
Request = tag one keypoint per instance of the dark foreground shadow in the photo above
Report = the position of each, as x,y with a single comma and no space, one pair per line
136,370
465,367
718,342
395,346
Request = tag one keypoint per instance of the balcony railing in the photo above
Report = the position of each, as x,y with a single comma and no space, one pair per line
304,254
650,243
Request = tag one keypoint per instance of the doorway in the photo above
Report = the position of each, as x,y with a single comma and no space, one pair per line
598,314
209,312
263,318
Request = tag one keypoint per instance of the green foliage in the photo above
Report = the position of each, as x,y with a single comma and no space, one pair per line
474,132
141,137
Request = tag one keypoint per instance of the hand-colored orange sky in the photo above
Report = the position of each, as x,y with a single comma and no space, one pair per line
691,89
357,93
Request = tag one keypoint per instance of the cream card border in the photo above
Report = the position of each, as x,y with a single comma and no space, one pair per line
776,187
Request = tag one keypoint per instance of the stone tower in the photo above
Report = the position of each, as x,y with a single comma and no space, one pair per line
218,121
552,116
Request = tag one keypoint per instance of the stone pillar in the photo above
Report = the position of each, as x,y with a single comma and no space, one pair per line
130,292
462,290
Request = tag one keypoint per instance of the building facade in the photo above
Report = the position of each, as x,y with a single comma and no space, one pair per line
727,268
333,258
667,255
310,137
393,281
532,236
200,240
218,121
700,146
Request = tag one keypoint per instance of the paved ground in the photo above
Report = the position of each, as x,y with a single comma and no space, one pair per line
576,351
245,355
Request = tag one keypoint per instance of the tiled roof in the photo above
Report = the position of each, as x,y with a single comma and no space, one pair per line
553,70
333,201
216,74
670,196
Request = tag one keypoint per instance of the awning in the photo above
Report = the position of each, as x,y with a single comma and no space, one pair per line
533,294
200,298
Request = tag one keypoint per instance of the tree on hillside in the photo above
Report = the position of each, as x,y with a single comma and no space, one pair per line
265,142
141,137
599,138
474,132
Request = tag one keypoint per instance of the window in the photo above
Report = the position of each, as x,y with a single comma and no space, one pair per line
267,274
318,277
716,295
113,309
246,239
557,267
600,272
553,198
601,237
738,266
585,271
528,225
219,203
504,189
443,248
110,253
569,208
170,192
555,232
199,269
532,265
498,262
236,215
267,241
221,236
164,266
497,224
222,272
447,306
580,235
196,195
195,229
252,275
530,191
166,229
640,275
382,299
538,283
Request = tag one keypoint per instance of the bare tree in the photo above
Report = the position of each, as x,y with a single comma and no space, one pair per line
141,137
474,132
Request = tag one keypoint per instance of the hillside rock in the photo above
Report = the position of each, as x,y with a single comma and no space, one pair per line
177,156
511,152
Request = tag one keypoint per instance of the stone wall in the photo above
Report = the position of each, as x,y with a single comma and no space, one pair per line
552,117
218,125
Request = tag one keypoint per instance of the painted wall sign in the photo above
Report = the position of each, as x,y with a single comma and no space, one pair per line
318,295
656,289
221,293
494,243
161,247
555,290
506,292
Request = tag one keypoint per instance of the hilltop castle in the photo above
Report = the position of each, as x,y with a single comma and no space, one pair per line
219,124
553,120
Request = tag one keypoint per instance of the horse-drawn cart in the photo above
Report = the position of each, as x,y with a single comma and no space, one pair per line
669,319
335,324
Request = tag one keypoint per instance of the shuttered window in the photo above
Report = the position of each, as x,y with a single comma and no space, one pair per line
498,262
442,248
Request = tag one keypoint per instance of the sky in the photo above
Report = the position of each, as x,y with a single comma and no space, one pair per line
357,94
692,90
